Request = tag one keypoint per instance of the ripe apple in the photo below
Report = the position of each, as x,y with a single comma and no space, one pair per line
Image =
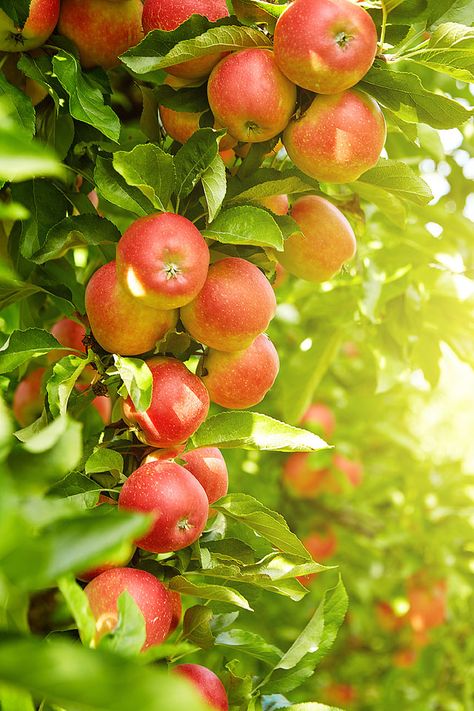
338,138
158,455
28,400
326,241
387,617
150,595
179,405
69,333
322,547
320,417
176,610
103,405
352,470
305,480
30,87
208,683
162,260
39,25
208,466
276,203
168,15
427,605
280,276
241,379
250,96
175,498
102,30
325,46
235,305
119,322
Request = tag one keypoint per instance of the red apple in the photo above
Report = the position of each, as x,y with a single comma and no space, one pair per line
169,14
175,498
276,203
40,23
321,417
427,605
338,138
249,95
305,480
28,401
235,305
208,683
208,466
70,334
241,379
352,470
162,260
179,405
326,241
158,455
322,547
119,322
176,610
325,46
102,30
280,276
150,595
103,405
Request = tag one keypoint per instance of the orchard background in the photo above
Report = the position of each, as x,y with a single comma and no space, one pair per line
376,612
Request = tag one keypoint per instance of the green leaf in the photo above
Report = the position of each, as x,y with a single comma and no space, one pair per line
253,430
115,190
405,95
105,460
72,546
20,157
137,379
269,524
40,68
60,385
197,627
190,40
250,643
265,182
24,345
17,11
129,635
398,179
86,98
77,231
392,207
313,706
18,106
67,674
450,50
48,455
149,169
194,158
13,211
78,604
215,186
190,99
246,225
206,591
300,661
272,9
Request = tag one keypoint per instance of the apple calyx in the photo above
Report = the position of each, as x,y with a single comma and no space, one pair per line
343,39
184,524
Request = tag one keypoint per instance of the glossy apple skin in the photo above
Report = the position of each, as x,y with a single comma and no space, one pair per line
28,400
326,241
320,416
276,203
250,96
69,333
102,30
322,547
150,595
39,25
325,46
119,322
241,379
180,126
169,14
235,305
103,405
179,405
175,498
208,683
162,260
339,137
208,466
176,610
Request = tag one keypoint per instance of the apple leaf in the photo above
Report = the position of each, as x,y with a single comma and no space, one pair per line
77,231
215,186
149,169
115,190
137,380
194,158
205,591
398,179
18,106
246,225
23,345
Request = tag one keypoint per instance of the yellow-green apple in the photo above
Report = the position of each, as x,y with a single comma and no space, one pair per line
28,400
325,46
338,138
235,305
249,95
208,684
149,594
321,546
119,322
39,24
241,379
176,500
324,244
208,466
102,30
162,260
168,15
179,405
321,418
276,203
